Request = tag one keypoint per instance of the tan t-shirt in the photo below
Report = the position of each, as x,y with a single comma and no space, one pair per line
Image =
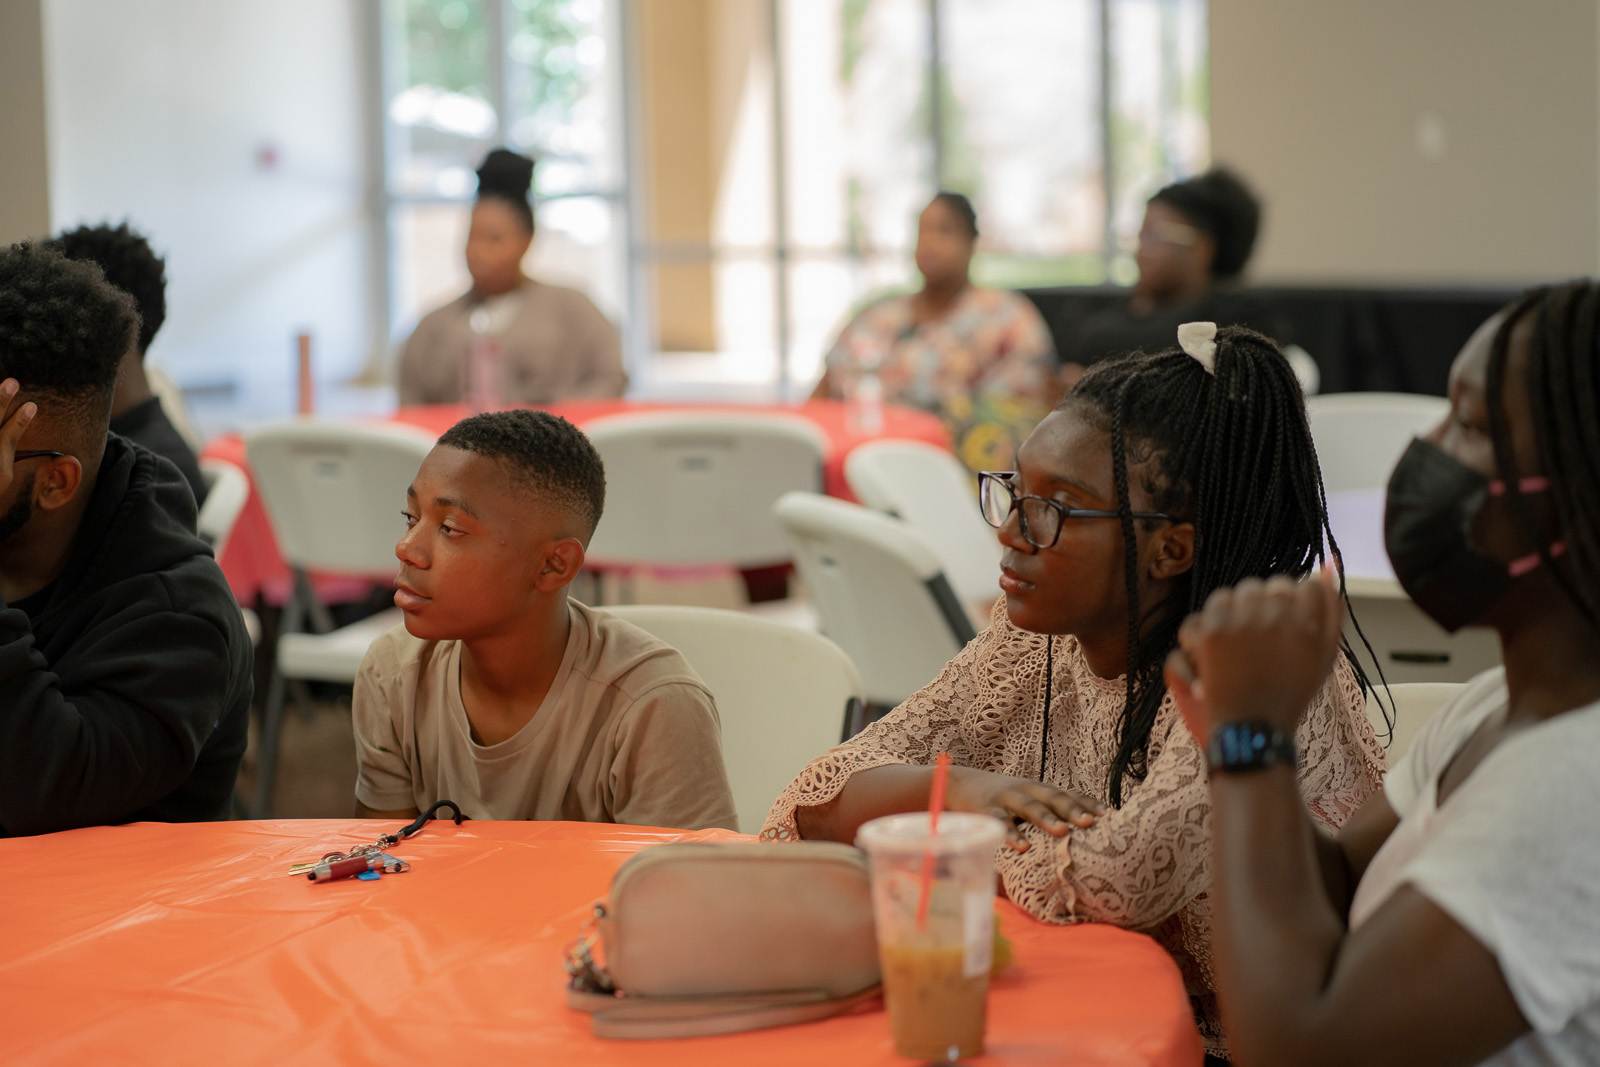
557,346
628,733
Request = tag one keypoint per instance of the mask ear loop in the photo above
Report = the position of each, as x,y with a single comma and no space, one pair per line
1531,484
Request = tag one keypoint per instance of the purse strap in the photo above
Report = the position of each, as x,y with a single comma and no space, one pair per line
643,1018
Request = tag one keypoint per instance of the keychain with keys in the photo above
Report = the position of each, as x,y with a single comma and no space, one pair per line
374,857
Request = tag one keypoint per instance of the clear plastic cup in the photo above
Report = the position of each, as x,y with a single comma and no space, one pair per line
936,975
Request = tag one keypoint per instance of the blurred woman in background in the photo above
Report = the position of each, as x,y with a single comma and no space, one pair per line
979,358
509,339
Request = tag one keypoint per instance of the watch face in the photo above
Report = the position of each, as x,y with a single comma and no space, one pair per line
1248,746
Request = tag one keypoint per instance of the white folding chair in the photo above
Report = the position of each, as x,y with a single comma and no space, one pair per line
333,493
1414,703
696,488
879,591
780,693
934,493
227,490
1409,646
173,405
1359,436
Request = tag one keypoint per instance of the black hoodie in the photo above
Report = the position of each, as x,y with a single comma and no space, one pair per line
126,695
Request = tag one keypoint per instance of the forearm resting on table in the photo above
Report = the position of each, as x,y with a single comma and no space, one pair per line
867,795
407,814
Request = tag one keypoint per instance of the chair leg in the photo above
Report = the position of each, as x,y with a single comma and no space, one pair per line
267,754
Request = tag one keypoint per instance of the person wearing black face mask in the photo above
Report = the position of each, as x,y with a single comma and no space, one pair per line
1434,503
1456,918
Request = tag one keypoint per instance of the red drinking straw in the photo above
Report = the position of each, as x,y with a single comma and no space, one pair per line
941,775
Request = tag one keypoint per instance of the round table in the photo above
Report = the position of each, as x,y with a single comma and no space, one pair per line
189,944
254,566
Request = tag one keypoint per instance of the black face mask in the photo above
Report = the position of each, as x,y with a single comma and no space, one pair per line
1433,501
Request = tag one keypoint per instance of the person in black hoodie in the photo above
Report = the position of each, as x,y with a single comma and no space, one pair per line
125,679
130,264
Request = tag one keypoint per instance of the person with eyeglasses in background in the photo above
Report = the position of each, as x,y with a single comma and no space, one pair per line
125,668
1160,479
1193,246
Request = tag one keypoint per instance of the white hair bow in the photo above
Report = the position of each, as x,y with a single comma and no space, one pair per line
1199,339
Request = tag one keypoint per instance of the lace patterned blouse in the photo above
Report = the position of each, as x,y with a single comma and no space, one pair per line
1146,865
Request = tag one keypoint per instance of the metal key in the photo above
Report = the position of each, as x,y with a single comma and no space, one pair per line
302,869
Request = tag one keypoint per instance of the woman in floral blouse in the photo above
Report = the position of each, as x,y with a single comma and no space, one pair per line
979,358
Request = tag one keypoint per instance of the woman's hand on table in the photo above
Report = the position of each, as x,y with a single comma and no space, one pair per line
1258,651
1016,801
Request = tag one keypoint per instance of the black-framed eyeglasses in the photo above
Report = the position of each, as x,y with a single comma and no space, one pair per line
1041,519
37,453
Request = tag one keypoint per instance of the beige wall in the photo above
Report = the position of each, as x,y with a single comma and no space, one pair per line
1414,140
705,110
234,135
675,98
24,162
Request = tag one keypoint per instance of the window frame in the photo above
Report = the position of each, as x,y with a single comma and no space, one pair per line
640,253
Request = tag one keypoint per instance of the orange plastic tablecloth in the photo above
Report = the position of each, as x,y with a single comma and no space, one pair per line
253,564
188,944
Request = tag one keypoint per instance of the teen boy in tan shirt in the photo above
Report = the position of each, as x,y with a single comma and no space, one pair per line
502,694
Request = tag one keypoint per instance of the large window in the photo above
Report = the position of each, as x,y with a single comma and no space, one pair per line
733,177
542,76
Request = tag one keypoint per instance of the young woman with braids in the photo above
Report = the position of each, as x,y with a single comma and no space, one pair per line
1459,917
1160,479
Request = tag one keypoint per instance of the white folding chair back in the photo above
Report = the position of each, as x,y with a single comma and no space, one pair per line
934,493
173,405
1414,704
1411,647
781,693
334,491
1359,436
696,488
227,490
879,592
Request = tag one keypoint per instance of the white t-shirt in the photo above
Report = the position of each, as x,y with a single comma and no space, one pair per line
1514,857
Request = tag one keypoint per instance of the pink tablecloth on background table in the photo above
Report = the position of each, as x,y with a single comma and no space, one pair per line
254,566
189,944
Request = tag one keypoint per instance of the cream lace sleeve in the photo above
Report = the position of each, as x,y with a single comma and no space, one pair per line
927,723
1138,864
1141,863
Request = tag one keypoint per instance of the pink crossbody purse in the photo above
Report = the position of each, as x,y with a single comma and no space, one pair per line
700,939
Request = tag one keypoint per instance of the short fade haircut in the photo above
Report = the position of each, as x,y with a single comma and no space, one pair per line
130,264
543,452
63,331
